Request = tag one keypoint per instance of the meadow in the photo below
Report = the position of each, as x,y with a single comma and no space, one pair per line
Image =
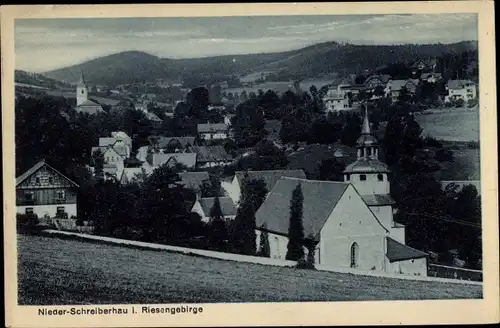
54,271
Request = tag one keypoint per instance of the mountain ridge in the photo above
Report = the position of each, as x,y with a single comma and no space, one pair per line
327,57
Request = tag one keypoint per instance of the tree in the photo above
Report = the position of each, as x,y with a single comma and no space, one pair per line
264,247
253,194
217,228
331,170
351,130
266,156
295,250
198,100
248,123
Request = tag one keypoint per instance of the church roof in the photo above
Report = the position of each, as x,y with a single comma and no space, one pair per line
270,177
367,165
88,103
400,252
378,200
320,198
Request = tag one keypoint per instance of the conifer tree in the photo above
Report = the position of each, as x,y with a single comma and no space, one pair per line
217,226
295,251
264,248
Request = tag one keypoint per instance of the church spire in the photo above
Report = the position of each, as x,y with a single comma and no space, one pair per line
82,79
366,124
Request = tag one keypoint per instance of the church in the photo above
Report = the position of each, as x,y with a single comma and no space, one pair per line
350,223
83,104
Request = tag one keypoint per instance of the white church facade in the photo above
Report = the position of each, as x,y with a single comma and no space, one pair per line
83,104
351,222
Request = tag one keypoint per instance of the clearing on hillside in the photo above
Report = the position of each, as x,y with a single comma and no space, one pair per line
65,272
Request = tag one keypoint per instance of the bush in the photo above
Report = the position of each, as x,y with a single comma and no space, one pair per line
305,264
27,222
444,155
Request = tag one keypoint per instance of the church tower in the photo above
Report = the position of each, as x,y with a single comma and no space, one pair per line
81,91
368,174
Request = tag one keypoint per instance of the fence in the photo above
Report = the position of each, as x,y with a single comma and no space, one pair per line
443,271
65,225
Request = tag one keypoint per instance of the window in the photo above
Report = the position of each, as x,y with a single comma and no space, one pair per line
83,92
29,196
362,177
61,195
37,180
380,177
29,210
51,180
60,210
369,151
354,255
347,177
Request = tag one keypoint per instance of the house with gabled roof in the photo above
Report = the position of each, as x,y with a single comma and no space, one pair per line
193,180
213,131
394,87
270,177
349,224
202,206
45,191
374,81
211,156
171,159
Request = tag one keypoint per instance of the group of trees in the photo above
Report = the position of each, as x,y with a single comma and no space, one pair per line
436,219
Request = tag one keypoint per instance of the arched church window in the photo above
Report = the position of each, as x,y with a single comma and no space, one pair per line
369,151
354,255
83,92
380,177
362,177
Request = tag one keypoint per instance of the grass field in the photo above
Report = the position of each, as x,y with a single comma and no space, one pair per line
65,272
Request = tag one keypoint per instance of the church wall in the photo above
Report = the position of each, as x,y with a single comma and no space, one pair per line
277,245
352,221
414,267
398,234
371,185
384,214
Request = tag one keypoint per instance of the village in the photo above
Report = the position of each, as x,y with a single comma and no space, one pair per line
212,172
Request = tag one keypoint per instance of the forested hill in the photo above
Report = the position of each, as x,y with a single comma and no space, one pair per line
328,57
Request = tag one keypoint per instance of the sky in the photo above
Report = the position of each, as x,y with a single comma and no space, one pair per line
46,44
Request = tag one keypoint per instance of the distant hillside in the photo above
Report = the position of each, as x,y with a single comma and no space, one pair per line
37,80
135,66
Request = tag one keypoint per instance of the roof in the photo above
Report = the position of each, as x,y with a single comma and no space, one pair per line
463,183
378,200
129,173
400,252
320,198
153,117
193,180
458,84
37,167
142,153
384,78
210,153
89,102
270,177
120,149
367,165
424,76
212,127
164,142
226,204
397,85
106,141
187,159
